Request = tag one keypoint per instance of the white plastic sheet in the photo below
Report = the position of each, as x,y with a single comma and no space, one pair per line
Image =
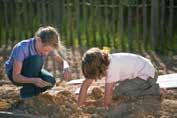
167,81
76,81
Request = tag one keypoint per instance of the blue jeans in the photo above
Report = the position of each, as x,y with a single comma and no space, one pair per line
32,67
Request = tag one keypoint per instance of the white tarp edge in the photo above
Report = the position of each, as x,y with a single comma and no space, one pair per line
167,81
76,81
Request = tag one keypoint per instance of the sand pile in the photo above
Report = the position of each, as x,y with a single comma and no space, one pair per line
62,104
8,97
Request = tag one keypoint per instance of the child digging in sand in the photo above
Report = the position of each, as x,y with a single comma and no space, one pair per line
24,66
125,74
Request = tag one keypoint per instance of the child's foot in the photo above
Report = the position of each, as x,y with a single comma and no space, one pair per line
22,97
26,92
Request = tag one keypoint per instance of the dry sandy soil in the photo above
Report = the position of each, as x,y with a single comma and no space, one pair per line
61,101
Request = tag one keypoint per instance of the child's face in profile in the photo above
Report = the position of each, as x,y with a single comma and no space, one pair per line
46,50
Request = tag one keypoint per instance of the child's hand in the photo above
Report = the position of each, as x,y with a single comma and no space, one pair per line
67,74
40,83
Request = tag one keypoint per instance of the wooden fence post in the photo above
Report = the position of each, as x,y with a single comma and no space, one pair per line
93,25
170,23
85,22
154,24
107,23
60,14
138,31
1,14
70,23
121,18
6,23
145,24
78,21
162,23
130,28
115,14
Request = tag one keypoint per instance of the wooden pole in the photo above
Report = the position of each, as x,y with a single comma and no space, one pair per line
154,24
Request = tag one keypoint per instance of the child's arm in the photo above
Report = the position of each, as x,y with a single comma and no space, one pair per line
18,77
60,60
108,94
83,91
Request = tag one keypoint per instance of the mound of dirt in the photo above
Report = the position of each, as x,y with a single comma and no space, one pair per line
169,104
138,107
8,97
62,104
123,107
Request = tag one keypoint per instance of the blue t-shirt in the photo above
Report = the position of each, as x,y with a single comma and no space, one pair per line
20,52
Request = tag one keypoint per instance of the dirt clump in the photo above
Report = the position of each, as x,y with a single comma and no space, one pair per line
8,97
97,93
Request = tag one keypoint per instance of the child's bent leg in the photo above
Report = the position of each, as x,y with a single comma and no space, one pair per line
137,87
31,68
28,90
154,89
131,87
